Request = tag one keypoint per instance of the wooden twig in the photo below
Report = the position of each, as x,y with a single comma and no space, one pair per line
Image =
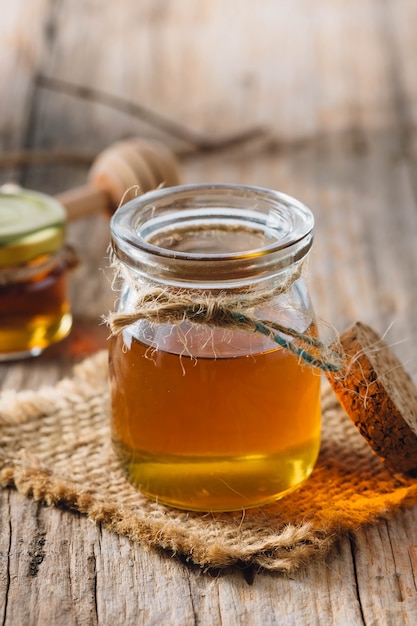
196,141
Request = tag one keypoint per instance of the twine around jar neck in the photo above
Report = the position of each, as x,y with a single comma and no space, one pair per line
229,311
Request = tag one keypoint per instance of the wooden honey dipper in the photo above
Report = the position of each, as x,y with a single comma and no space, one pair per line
119,173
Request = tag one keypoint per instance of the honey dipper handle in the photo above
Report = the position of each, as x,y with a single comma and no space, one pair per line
122,172
84,201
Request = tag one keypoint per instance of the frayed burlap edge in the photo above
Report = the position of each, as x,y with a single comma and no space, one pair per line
55,448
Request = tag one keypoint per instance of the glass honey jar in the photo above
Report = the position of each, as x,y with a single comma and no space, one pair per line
34,306
215,388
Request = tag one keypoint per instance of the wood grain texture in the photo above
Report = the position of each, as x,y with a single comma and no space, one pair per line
333,83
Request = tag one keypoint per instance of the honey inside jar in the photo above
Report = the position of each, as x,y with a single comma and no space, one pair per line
204,433
35,311
213,407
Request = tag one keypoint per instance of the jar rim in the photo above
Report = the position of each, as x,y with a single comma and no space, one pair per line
284,225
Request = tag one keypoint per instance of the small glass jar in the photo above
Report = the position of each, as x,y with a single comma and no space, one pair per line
34,306
214,404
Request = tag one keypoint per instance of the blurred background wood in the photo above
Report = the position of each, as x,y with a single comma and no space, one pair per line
333,86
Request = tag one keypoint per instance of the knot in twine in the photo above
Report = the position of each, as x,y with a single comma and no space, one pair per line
159,305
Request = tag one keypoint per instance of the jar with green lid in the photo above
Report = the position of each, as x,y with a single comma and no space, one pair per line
34,259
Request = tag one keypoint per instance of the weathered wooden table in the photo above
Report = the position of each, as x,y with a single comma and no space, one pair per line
333,86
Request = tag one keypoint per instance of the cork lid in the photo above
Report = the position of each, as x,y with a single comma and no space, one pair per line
380,398
31,224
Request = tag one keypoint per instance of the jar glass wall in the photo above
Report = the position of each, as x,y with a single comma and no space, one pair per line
213,406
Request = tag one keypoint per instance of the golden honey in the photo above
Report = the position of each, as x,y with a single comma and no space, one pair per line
229,432
35,312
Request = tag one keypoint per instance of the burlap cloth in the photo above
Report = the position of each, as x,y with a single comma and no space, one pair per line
55,447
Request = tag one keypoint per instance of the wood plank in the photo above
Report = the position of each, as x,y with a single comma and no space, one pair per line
263,65
22,33
383,560
399,25
72,572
